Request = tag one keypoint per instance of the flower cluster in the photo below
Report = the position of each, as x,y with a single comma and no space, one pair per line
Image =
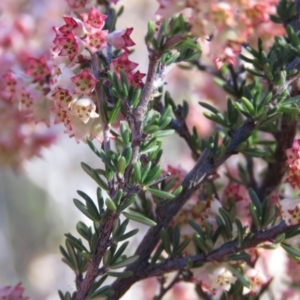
229,24
23,90
73,85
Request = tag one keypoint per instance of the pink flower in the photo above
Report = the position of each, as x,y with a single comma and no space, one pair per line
214,278
136,78
96,39
84,82
120,39
62,98
69,45
94,18
257,281
75,25
124,64
12,293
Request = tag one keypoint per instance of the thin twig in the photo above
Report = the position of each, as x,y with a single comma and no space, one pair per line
220,254
92,270
164,290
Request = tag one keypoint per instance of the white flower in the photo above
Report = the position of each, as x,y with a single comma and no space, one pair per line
221,279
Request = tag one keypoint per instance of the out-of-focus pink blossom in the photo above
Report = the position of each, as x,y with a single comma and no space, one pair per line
167,8
230,23
12,293
38,68
239,194
257,281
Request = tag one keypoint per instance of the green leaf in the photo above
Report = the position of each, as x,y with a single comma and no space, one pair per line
197,228
97,285
66,296
163,133
156,254
161,194
127,235
125,133
137,172
124,274
239,256
152,175
200,243
242,278
110,204
118,197
181,247
226,218
67,258
92,208
279,238
100,200
139,218
76,243
248,105
209,107
127,202
85,210
107,161
165,240
124,263
241,231
72,255
93,147
255,200
255,216
99,180
177,191
145,171
291,250
105,292
121,165
87,169
119,252
216,118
